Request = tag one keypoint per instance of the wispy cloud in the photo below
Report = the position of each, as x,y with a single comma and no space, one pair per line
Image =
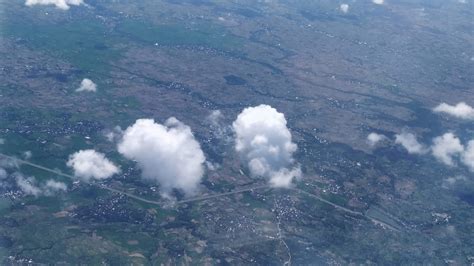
30,186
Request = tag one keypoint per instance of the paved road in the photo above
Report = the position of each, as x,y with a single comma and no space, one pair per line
212,196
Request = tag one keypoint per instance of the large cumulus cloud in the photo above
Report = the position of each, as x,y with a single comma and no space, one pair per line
264,141
167,154
61,4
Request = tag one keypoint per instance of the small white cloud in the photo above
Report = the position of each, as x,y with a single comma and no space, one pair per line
89,164
3,173
212,166
28,185
8,163
113,135
284,177
264,141
167,154
61,4
451,181
374,138
87,85
460,110
215,117
468,155
2,141
378,2
217,127
53,186
27,155
344,8
445,147
410,143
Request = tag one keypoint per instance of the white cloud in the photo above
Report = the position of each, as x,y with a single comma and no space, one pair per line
167,154
215,117
451,181
3,173
344,8
284,177
89,164
8,163
460,110
30,186
264,140
218,128
445,147
410,143
2,141
378,2
27,155
87,85
61,4
468,155
113,135
374,138
52,186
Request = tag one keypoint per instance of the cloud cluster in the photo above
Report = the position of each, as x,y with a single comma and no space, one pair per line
410,143
374,138
87,85
264,141
460,110
445,148
90,164
61,4
30,186
167,154
344,8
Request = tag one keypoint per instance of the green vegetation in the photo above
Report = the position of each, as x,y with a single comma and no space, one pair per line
205,35
86,44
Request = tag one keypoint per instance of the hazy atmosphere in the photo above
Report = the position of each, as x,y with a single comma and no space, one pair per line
259,132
